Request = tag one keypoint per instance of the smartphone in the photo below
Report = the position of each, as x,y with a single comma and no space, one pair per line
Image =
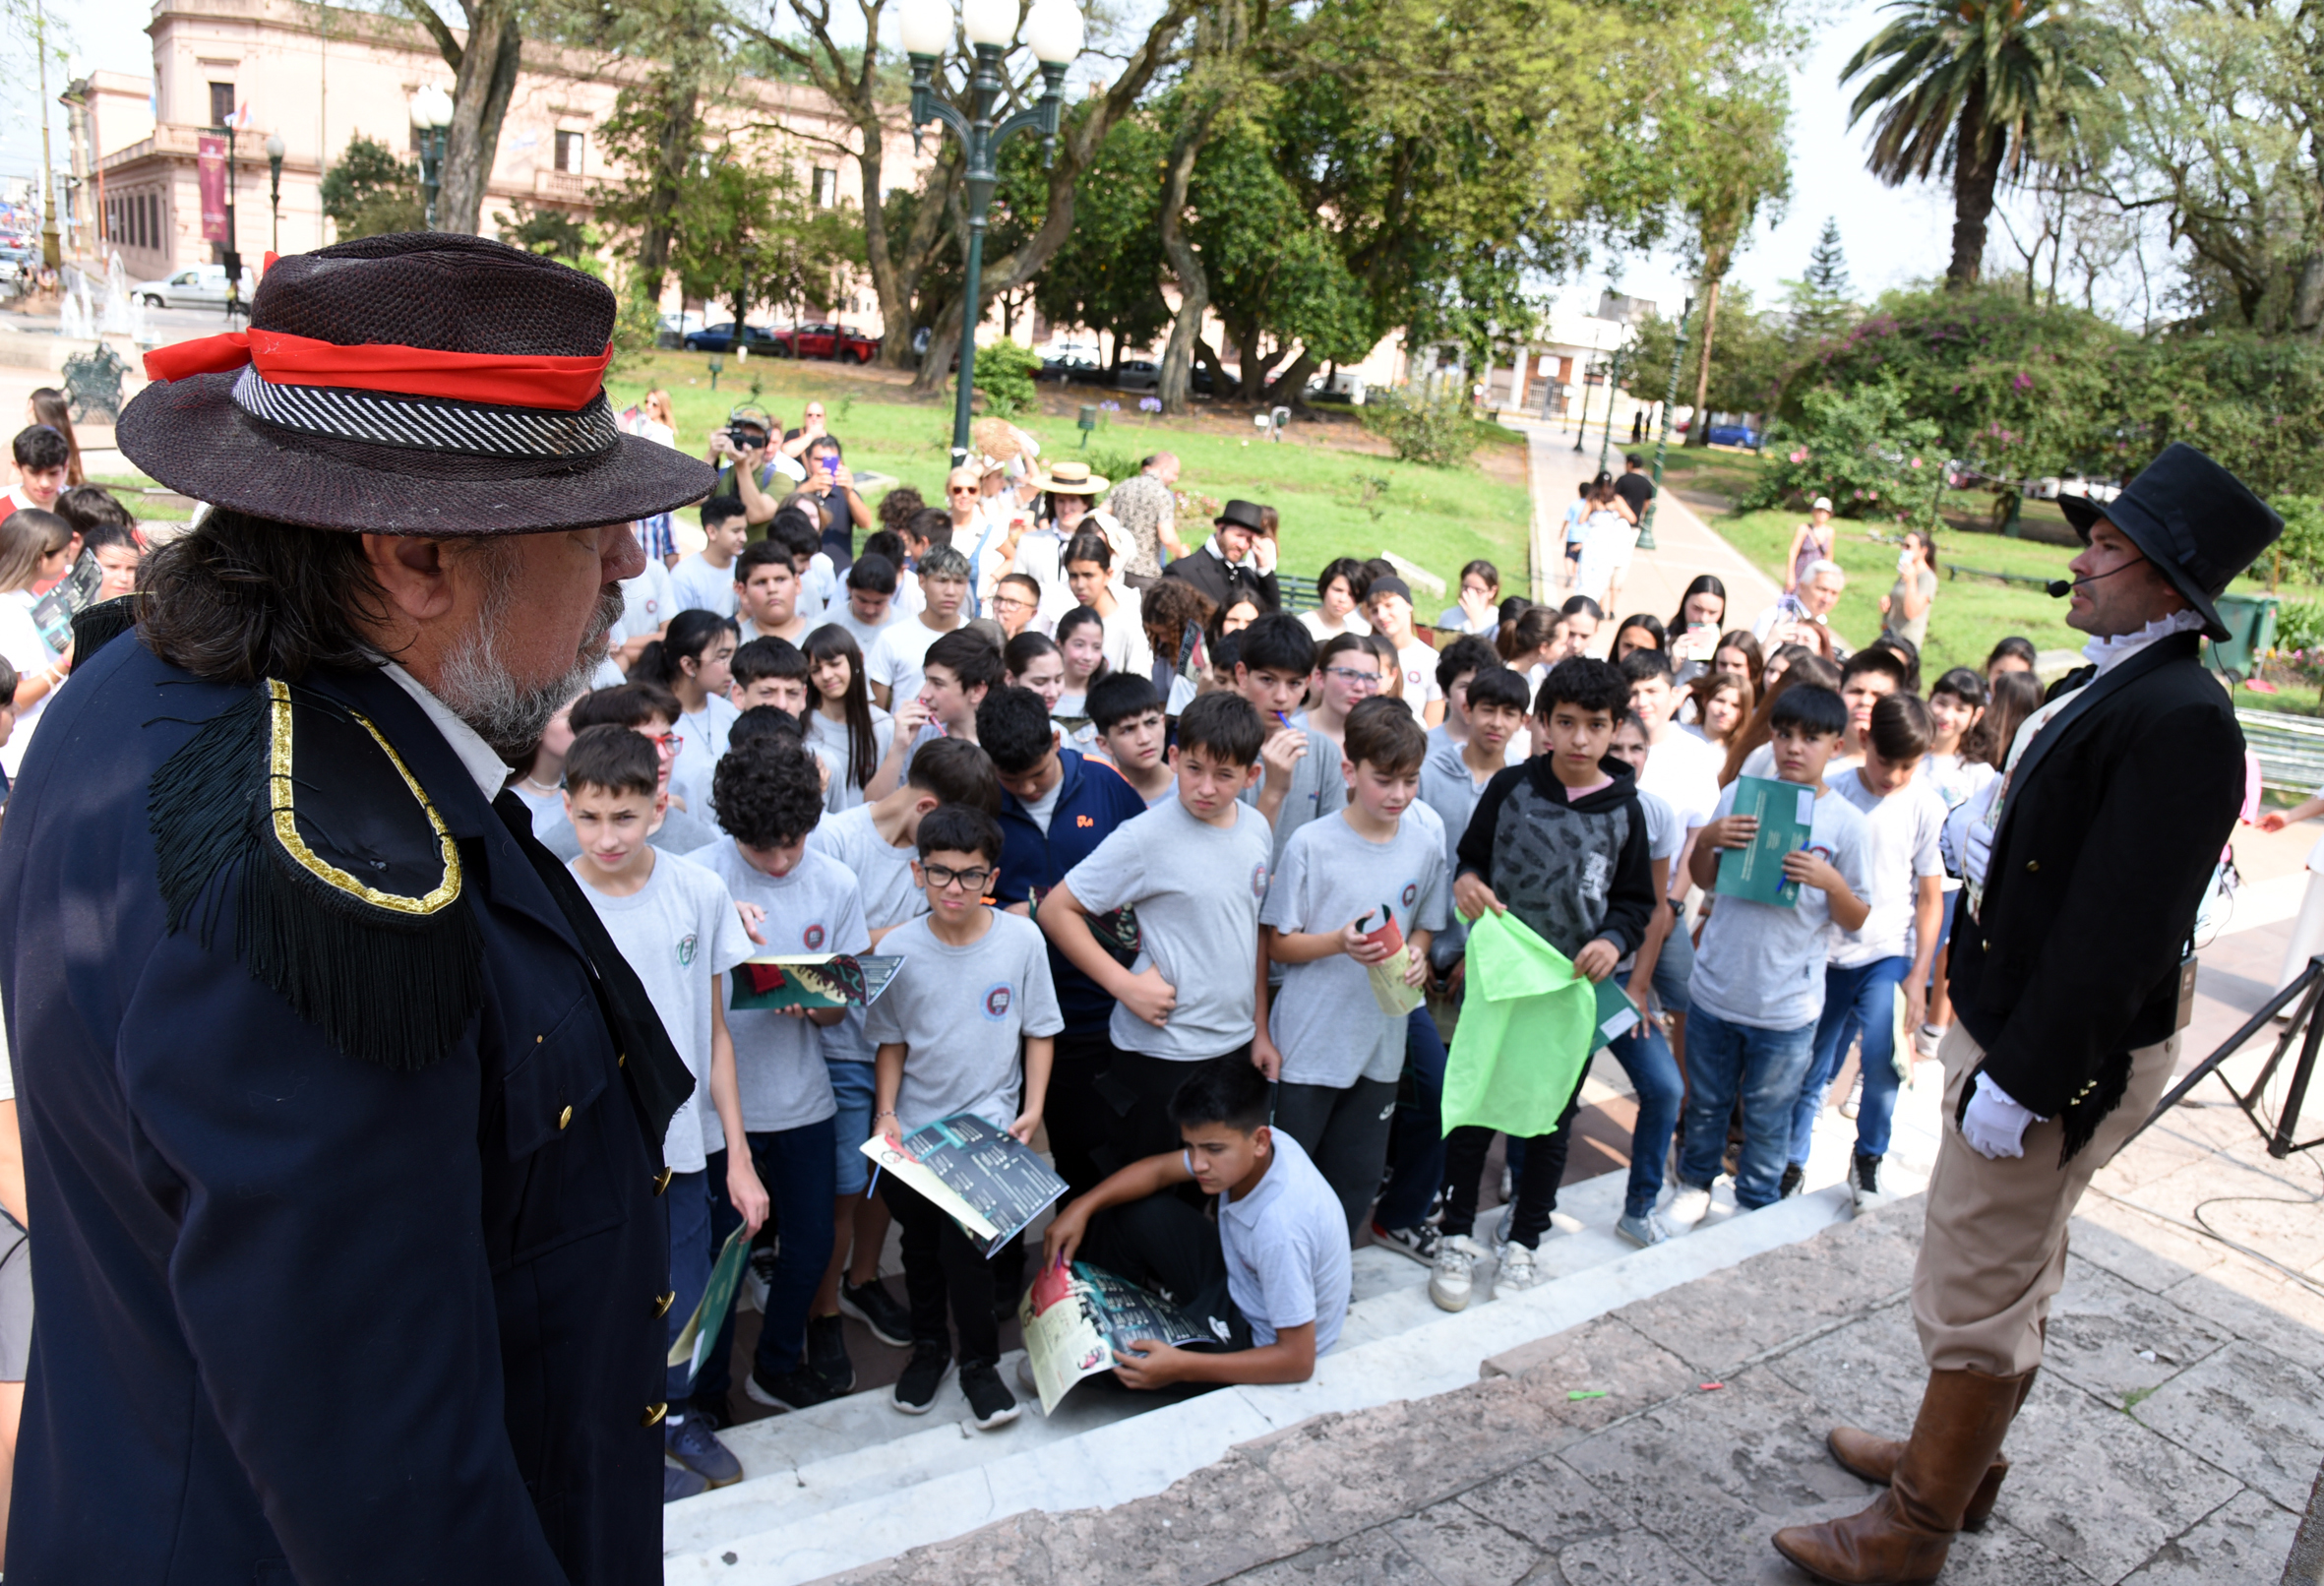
830,465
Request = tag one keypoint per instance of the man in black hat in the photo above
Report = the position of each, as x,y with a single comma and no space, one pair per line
1221,570
342,1118
2084,878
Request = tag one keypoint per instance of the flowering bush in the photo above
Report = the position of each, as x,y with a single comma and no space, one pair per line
1859,448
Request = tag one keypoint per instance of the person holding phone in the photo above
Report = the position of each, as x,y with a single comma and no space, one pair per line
1694,628
832,484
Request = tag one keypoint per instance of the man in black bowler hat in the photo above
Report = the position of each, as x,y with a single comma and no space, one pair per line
342,1119
1221,569
2084,877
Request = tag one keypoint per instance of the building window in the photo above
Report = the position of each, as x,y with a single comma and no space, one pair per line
222,104
568,151
827,187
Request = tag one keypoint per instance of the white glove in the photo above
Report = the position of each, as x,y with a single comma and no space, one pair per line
1977,851
1992,1123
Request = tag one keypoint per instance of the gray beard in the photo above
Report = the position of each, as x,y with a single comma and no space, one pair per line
477,686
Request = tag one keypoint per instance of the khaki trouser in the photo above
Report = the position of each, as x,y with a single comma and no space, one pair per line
1994,1253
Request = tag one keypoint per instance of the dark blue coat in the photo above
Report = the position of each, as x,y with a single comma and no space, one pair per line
302,1317
1092,801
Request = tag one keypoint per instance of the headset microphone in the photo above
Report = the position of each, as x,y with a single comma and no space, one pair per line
2059,588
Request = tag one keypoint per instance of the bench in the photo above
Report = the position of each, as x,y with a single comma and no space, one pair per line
1299,593
2291,748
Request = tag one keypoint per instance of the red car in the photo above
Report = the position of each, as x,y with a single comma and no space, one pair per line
825,341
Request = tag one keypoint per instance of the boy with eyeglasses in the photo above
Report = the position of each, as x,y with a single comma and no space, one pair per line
948,1030
1016,604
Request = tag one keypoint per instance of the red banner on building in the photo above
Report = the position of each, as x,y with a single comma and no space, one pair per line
210,161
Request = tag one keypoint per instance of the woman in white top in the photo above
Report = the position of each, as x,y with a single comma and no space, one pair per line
844,721
1335,591
1479,610
1607,534
35,547
694,659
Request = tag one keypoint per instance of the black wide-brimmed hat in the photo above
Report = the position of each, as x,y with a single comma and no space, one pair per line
414,384
2197,523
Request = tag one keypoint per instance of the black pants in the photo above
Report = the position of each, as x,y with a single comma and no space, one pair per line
1169,1248
1465,1150
1138,1090
1345,1133
1080,1119
942,1268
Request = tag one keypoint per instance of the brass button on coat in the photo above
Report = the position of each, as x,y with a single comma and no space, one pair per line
654,1415
661,1181
661,1306
564,1117
2033,864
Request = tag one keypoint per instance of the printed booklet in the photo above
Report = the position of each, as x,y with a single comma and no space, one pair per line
1076,1319
822,980
989,1183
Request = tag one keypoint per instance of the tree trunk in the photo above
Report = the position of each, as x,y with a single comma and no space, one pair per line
669,168
1193,282
484,76
1976,166
1698,429
2307,295
1291,386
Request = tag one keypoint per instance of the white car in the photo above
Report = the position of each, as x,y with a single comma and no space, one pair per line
194,286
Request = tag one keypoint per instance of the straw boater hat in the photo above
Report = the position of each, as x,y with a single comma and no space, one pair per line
414,384
1072,479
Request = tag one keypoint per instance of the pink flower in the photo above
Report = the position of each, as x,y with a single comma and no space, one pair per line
1799,456
1915,463
2021,382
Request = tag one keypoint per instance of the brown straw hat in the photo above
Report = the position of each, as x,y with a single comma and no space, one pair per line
414,384
1073,479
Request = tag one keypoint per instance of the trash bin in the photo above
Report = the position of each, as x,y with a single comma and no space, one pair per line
2251,621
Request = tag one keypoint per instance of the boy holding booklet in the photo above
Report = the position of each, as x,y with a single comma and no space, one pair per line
974,981
1271,1274
1336,1052
1758,982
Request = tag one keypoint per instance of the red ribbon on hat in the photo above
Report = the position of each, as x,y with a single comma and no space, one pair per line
564,384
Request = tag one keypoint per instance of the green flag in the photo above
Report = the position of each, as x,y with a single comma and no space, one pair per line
1526,1029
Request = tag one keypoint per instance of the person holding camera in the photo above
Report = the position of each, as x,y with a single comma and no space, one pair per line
739,452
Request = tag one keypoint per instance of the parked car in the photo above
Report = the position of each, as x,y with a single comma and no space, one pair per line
1732,435
1138,374
856,346
676,328
1079,364
195,287
720,339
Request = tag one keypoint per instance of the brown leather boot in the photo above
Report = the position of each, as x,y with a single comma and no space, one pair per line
1902,1539
1873,1458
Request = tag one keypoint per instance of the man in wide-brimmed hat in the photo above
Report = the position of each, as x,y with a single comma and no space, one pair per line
342,1117
2066,976
1221,569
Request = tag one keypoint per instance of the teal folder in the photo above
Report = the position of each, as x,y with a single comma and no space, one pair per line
1786,814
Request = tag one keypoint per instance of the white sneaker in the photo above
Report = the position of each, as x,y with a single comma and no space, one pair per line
1455,1277
1926,1040
1644,1232
1519,1270
1688,1206
1856,1096
1863,1182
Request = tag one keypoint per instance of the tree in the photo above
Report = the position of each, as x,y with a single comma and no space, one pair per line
1979,89
1751,363
1742,162
370,191
484,69
1821,302
1108,277
550,232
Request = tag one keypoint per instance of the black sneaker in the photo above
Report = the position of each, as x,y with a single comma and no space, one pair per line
876,1309
826,1355
798,1388
1863,1182
1793,1177
988,1401
915,1390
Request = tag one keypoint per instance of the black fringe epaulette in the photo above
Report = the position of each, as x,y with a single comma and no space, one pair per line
95,626
347,887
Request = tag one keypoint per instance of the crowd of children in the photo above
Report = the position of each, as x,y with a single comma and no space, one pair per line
1182,888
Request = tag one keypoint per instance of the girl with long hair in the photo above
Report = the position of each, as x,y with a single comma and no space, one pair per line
1033,661
1639,632
1739,655
843,721
50,407
1336,610
1692,632
1081,641
1720,706
1958,767
1800,665
694,659
35,548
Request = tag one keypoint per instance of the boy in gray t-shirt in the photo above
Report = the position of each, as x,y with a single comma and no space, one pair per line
1300,778
1337,1054
1196,870
800,903
973,981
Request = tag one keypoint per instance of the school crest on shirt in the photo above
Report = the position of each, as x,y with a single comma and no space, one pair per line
686,946
1258,880
1410,894
997,1000
811,939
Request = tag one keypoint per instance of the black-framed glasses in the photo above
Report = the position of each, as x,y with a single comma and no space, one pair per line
943,878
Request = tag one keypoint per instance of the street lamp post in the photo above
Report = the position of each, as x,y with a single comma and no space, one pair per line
234,303
1661,441
276,150
1613,376
431,114
1053,30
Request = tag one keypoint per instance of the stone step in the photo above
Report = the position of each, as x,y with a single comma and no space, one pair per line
854,1480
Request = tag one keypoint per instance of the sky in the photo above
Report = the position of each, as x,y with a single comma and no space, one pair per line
1891,236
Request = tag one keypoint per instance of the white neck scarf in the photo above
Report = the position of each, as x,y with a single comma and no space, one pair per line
2113,649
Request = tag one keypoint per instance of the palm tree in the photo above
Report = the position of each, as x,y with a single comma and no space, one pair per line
1979,89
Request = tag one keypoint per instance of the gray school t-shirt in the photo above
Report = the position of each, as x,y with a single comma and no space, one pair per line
1286,1245
1317,788
1902,844
778,1059
958,1012
1197,888
677,931
1763,964
1323,1017
882,875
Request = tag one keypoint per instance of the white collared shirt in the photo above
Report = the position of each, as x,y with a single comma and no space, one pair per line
476,756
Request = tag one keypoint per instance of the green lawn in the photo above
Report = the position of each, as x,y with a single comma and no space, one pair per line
1338,497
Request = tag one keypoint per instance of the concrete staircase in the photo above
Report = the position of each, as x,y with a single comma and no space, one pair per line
852,1482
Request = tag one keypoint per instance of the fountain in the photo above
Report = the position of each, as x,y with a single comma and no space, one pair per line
119,319
74,318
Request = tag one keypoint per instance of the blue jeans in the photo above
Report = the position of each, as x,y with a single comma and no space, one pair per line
1764,1067
1673,967
851,1088
1645,1056
688,1201
791,1164
1859,997
1419,1135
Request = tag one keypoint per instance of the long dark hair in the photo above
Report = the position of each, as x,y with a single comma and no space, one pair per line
241,598
50,407
1805,667
2017,696
1025,649
1706,584
689,634
1970,689
1081,616
832,643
